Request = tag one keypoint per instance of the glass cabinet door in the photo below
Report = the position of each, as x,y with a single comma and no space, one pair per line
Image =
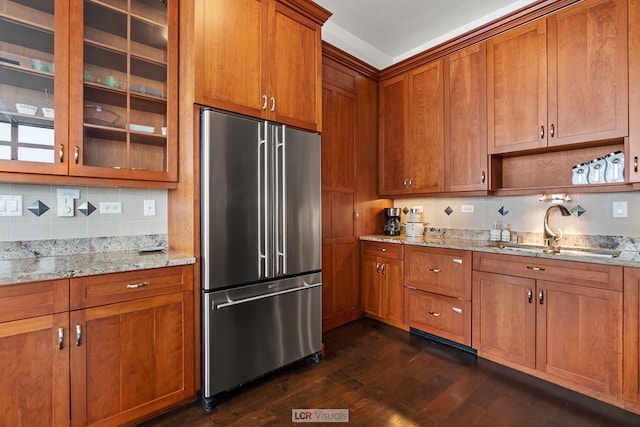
33,85
124,103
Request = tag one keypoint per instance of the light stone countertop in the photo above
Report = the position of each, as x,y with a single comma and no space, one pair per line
629,253
38,260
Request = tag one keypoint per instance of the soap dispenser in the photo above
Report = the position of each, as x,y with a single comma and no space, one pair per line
494,234
506,234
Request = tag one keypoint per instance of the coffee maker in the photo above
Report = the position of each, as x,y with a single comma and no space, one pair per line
392,221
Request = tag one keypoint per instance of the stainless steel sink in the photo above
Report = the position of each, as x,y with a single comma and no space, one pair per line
560,250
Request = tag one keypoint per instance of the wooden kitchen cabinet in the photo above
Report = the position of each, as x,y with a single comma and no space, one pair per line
560,80
560,320
123,71
437,292
33,74
632,164
381,281
34,354
261,58
138,328
465,109
412,131
631,357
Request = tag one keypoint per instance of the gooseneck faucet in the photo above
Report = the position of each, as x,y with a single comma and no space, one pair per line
549,234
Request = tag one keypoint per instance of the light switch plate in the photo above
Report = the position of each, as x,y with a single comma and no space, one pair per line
467,209
11,205
620,210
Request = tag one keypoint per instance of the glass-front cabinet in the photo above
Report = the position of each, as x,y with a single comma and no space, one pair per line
124,120
33,85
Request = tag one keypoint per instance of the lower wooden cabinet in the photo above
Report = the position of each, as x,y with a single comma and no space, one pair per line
550,319
381,281
631,392
66,358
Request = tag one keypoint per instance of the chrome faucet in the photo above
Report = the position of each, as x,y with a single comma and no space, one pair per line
550,235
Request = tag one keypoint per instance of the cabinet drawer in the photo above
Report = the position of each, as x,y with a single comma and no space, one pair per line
387,250
445,317
92,291
571,272
33,299
442,271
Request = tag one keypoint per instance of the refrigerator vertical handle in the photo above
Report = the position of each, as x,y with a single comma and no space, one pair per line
281,202
263,248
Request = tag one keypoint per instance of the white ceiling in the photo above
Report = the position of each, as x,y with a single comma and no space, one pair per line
383,32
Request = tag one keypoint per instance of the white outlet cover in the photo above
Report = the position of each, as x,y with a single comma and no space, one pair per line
620,209
149,207
467,208
110,207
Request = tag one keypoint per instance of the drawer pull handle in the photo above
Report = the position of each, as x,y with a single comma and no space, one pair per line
457,261
535,268
377,267
541,297
138,285
382,249
530,295
435,270
60,338
382,269
78,335
434,313
456,310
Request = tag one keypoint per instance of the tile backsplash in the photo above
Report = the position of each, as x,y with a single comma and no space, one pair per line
130,222
526,213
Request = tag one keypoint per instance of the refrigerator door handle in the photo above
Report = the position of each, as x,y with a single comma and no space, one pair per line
281,202
268,295
263,220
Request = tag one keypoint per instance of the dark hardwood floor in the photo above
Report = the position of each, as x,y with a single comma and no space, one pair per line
388,377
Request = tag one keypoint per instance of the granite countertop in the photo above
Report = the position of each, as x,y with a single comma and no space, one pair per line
629,253
22,262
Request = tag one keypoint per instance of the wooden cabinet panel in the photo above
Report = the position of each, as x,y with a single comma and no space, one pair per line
632,168
295,61
443,316
503,318
340,302
231,78
145,345
35,373
261,58
465,160
578,273
394,135
425,154
579,335
631,327
517,88
442,271
588,72
26,300
381,273
91,291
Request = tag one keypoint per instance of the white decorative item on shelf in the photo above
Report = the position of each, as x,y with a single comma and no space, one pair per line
142,128
27,109
615,167
48,112
580,173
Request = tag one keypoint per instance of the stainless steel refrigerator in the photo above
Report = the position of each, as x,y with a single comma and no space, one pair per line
261,248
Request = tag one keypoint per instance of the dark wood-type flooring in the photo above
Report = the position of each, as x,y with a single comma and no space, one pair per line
389,377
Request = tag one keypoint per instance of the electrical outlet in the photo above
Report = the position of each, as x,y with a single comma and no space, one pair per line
619,209
467,209
149,207
110,207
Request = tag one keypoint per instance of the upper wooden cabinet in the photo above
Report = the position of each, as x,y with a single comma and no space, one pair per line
262,58
123,114
633,156
412,131
34,86
560,81
465,132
